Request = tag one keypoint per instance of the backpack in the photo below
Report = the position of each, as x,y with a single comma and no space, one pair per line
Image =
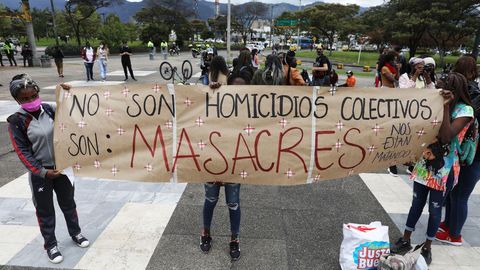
468,148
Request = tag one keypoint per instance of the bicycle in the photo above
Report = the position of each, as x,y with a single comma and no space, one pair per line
168,72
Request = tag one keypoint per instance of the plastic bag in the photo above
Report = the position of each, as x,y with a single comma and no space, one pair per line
363,245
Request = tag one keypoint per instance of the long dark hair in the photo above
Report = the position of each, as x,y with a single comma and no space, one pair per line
273,70
458,84
217,66
243,73
467,66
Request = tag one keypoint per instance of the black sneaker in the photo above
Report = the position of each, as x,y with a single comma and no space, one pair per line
401,246
427,255
206,243
234,250
393,171
80,240
54,255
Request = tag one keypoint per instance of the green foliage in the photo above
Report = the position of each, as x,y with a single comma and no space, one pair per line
323,19
113,32
219,26
156,22
244,16
79,11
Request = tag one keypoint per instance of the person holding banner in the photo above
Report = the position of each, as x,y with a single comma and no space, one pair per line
31,133
456,210
438,170
232,193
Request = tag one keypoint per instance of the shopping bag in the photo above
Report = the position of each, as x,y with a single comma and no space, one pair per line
363,245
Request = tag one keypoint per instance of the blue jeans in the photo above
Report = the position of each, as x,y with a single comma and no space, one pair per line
232,196
205,79
103,68
435,204
457,201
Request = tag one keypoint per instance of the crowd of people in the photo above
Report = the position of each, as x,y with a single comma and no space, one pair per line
446,175
443,176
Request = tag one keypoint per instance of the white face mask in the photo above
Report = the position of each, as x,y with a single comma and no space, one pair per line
101,46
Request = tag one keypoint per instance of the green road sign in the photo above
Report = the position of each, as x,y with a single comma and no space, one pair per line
286,23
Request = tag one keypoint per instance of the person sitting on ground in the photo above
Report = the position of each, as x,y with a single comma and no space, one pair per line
31,133
351,80
272,74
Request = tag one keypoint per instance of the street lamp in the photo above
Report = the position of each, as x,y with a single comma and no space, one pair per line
229,29
53,21
298,24
272,24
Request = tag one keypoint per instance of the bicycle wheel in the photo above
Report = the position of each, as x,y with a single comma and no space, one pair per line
166,71
187,70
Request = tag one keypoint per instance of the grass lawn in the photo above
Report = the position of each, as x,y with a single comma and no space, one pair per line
72,41
366,59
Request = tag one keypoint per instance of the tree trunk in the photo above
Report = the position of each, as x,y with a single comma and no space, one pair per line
77,35
330,42
413,50
442,57
476,43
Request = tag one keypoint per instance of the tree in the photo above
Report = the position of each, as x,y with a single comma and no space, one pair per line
415,17
79,11
114,32
452,23
372,24
245,15
324,19
42,22
198,27
156,22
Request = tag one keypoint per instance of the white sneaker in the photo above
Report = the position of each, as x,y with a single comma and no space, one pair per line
54,255
80,240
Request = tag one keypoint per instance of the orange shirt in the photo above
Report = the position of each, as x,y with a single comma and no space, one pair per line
295,76
351,81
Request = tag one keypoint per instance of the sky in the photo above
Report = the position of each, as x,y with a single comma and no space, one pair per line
363,3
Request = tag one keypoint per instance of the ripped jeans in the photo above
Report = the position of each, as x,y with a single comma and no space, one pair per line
232,197
435,204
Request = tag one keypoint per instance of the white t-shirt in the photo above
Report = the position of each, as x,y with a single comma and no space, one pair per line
89,55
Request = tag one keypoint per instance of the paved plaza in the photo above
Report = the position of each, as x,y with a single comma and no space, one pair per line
135,225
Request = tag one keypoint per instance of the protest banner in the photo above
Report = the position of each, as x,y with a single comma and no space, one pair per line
274,135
